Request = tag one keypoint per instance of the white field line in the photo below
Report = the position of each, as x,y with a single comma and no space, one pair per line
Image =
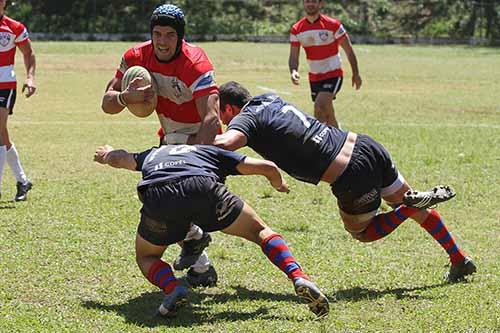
143,123
274,90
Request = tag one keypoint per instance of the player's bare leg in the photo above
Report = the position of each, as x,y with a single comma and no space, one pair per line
323,109
248,225
148,258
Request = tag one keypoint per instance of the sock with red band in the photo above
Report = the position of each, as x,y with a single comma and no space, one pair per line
434,225
275,248
160,274
383,224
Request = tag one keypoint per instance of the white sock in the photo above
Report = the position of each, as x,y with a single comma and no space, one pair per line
15,165
194,232
202,264
3,156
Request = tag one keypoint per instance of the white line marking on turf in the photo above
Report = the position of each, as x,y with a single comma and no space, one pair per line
274,90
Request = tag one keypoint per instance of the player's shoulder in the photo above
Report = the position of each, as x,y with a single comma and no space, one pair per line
12,23
299,25
138,51
194,54
330,20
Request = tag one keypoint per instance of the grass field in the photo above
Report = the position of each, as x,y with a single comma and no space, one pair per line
67,254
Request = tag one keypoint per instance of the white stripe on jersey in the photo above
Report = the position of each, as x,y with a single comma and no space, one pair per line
315,37
172,88
206,80
7,74
325,65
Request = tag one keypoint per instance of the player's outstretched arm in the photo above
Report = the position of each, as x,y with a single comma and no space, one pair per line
254,166
29,86
231,140
345,43
119,158
208,109
293,64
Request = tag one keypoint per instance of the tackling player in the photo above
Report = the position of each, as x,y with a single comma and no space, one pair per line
321,36
359,170
188,106
13,34
184,184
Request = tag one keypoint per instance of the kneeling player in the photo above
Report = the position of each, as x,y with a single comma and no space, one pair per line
182,185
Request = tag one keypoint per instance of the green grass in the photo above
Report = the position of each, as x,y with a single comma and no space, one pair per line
67,255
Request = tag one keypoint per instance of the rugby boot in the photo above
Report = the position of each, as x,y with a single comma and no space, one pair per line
174,300
191,251
22,190
423,200
460,271
310,293
205,279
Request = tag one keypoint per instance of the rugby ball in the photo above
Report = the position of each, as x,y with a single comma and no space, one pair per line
140,109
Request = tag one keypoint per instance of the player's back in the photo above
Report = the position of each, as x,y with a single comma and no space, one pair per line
298,143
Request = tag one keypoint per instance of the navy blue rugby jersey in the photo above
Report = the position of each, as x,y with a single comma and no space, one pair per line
298,143
176,161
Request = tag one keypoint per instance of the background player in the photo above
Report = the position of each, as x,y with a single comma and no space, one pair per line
13,34
183,184
321,36
188,102
359,169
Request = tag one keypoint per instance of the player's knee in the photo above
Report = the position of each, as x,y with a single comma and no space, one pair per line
360,236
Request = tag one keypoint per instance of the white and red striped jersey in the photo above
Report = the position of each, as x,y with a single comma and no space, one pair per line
12,34
320,41
189,76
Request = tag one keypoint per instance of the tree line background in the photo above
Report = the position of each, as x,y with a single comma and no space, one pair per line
460,19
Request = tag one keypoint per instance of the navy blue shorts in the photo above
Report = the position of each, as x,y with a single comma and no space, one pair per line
332,85
169,208
8,99
368,175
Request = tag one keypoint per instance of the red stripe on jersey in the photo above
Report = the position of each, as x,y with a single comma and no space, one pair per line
324,76
318,52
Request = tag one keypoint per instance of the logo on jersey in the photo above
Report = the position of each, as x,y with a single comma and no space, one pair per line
5,38
323,35
176,87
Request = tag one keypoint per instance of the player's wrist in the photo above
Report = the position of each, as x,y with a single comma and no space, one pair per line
120,99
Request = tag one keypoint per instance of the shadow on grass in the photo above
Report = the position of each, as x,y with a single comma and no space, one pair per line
362,294
141,310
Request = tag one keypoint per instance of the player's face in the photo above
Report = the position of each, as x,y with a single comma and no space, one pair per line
164,42
2,5
226,114
312,7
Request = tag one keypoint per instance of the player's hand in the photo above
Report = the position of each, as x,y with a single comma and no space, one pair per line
356,81
29,87
281,185
295,76
137,92
101,153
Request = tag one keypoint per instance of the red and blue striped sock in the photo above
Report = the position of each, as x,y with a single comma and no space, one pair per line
383,224
434,225
275,248
160,274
